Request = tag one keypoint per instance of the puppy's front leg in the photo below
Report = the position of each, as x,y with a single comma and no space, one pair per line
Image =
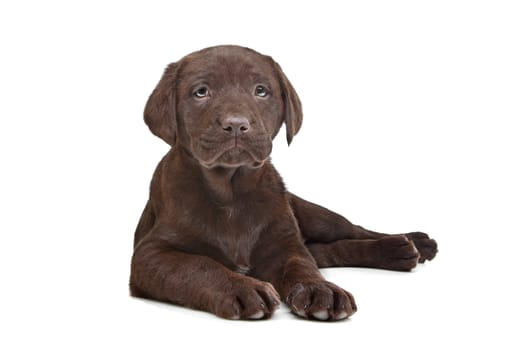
281,258
159,271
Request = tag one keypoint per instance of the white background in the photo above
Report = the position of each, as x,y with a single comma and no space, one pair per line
413,120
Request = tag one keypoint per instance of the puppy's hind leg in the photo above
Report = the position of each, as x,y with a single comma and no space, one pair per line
321,226
391,253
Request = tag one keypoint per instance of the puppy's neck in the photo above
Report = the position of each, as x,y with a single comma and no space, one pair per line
227,183
224,183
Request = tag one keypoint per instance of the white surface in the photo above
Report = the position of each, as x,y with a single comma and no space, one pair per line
413,113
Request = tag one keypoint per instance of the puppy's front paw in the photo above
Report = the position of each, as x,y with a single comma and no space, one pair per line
323,301
248,299
426,246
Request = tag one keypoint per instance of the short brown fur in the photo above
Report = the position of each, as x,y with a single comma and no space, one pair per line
220,232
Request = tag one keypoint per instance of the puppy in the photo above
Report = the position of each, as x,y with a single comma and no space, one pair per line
220,232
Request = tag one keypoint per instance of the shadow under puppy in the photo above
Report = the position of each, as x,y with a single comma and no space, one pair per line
220,232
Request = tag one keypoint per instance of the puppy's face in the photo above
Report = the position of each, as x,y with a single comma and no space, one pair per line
224,105
229,107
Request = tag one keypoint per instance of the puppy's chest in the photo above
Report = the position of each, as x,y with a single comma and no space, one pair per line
237,231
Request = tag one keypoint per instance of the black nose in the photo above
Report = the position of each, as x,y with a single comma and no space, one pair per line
235,125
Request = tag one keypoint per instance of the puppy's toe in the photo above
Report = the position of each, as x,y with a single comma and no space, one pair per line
342,315
257,315
321,315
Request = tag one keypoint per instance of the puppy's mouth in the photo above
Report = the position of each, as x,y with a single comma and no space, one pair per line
233,158
234,153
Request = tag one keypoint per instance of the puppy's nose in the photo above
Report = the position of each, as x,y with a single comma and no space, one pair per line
235,125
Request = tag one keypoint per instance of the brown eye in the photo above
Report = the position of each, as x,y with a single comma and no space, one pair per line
261,91
201,92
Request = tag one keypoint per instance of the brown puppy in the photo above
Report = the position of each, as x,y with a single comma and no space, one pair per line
220,232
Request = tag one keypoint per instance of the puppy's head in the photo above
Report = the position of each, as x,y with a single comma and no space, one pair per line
224,105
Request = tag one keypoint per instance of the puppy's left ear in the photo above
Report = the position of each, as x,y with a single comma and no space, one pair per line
293,111
159,113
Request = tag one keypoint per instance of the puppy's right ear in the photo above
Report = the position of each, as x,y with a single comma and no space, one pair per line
160,110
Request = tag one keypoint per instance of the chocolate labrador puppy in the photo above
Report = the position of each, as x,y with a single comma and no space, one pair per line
220,232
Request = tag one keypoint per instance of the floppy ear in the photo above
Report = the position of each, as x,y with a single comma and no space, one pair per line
159,113
293,111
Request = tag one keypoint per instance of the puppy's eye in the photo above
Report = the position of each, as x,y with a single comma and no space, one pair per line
202,92
261,91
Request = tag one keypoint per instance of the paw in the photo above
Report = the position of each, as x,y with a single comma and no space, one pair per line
248,299
426,246
397,253
321,301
